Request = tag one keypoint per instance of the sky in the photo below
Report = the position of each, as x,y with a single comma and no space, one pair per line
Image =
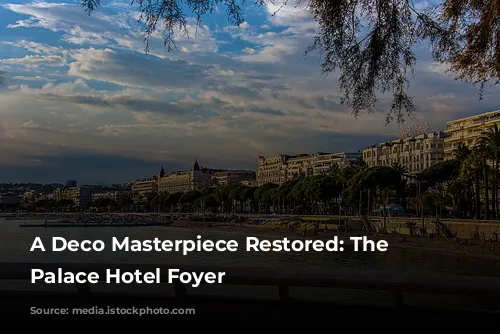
82,100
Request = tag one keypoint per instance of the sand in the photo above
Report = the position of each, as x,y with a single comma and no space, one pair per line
475,249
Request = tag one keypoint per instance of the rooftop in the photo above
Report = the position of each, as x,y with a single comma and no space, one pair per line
490,113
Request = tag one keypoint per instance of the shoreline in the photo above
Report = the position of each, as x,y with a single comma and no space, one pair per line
413,243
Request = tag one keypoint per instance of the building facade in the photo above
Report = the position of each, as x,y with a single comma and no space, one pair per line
182,181
324,161
281,168
413,153
251,183
115,195
271,169
79,195
468,130
144,186
224,177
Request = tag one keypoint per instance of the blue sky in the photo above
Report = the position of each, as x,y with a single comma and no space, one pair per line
83,101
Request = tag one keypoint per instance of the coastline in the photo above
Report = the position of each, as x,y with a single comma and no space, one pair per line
440,245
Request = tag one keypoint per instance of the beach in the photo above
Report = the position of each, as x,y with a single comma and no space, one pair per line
396,241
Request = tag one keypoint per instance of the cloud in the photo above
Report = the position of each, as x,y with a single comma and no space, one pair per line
36,61
37,48
135,70
30,124
240,92
107,26
438,68
225,96
33,78
3,77
282,12
77,27
78,86
249,51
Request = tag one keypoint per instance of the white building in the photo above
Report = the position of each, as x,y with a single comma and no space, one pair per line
415,154
281,168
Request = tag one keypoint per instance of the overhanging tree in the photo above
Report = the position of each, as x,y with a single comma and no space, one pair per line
369,42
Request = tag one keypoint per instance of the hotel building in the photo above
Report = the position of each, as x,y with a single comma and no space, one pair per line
281,168
468,130
144,186
224,177
81,196
250,183
196,178
115,195
183,181
414,153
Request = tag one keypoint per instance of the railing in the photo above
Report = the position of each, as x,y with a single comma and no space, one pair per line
395,282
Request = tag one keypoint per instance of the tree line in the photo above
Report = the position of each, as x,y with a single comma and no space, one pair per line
464,187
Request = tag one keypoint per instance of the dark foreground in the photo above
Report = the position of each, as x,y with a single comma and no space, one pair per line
17,305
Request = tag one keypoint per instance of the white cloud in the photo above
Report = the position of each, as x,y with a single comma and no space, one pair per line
78,86
79,36
37,48
249,51
72,21
299,29
30,124
438,68
33,78
273,53
36,61
103,28
292,9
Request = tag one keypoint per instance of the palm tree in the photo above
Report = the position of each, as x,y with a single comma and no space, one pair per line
462,154
483,153
400,169
490,140
471,169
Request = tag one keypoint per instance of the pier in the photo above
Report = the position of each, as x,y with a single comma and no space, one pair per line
97,224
